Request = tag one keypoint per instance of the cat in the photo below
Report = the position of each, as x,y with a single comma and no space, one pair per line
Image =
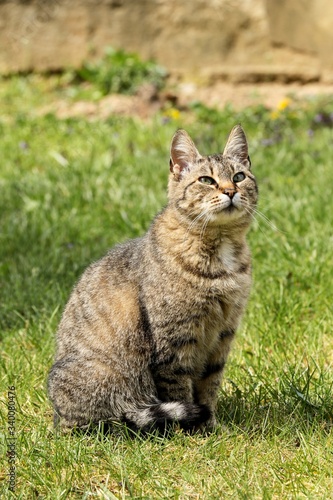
146,333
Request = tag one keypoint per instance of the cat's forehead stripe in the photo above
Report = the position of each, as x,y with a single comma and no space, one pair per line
226,163
218,164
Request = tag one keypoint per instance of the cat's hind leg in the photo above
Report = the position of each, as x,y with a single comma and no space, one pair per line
80,391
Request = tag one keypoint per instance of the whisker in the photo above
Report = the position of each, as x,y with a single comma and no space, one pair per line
255,211
205,224
259,226
267,220
196,221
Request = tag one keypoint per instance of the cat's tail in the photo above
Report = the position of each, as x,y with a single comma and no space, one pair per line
159,415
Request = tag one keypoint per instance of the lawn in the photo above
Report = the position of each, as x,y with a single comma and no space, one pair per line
72,188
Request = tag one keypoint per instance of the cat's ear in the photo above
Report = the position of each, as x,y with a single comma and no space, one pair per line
237,147
183,153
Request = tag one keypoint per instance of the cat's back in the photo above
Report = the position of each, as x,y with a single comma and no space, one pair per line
105,297
117,268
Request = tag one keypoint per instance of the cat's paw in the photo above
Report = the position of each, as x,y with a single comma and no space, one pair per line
209,426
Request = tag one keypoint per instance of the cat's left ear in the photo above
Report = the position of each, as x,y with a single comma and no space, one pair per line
183,153
237,146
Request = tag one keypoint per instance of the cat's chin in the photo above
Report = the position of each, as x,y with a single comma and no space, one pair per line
227,215
229,210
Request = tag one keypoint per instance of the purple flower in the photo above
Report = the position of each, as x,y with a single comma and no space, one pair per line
268,142
318,118
323,119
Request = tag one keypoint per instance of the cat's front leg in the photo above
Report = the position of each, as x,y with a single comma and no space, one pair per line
207,385
175,364
173,384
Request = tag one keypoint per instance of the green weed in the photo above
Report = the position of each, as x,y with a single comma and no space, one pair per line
121,72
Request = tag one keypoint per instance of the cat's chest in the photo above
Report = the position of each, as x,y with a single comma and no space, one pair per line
227,257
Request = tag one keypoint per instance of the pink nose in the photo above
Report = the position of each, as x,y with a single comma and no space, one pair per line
229,191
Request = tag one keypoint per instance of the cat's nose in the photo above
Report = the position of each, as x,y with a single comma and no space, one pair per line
228,188
229,191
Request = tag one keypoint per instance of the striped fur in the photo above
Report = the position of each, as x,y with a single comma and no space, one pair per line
146,333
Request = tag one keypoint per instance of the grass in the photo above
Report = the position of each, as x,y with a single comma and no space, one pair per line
69,190
121,72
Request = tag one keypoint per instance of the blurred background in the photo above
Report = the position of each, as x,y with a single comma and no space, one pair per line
199,42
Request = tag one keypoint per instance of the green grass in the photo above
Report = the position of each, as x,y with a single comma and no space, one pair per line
71,189
121,72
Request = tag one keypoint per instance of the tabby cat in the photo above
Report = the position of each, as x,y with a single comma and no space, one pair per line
146,333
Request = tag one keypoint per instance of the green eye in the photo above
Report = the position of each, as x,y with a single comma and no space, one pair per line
207,180
238,177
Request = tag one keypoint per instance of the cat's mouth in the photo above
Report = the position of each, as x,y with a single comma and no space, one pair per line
231,208
227,208
227,205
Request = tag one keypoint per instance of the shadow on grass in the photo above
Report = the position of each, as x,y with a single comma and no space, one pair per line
299,399
124,431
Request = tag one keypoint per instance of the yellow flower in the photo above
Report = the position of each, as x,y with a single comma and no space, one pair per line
172,113
283,104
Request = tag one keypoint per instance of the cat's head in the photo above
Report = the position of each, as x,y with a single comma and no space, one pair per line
218,189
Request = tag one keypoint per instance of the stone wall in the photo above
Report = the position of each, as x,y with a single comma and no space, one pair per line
304,26
238,40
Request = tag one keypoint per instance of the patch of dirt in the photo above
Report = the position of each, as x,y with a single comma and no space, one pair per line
242,95
147,101
144,105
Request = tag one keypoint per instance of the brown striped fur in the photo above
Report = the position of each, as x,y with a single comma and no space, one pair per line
147,330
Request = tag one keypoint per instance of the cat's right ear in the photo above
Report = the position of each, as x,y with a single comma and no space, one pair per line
183,153
237,146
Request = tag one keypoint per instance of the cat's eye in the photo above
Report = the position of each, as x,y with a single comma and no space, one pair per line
240,176
207,180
